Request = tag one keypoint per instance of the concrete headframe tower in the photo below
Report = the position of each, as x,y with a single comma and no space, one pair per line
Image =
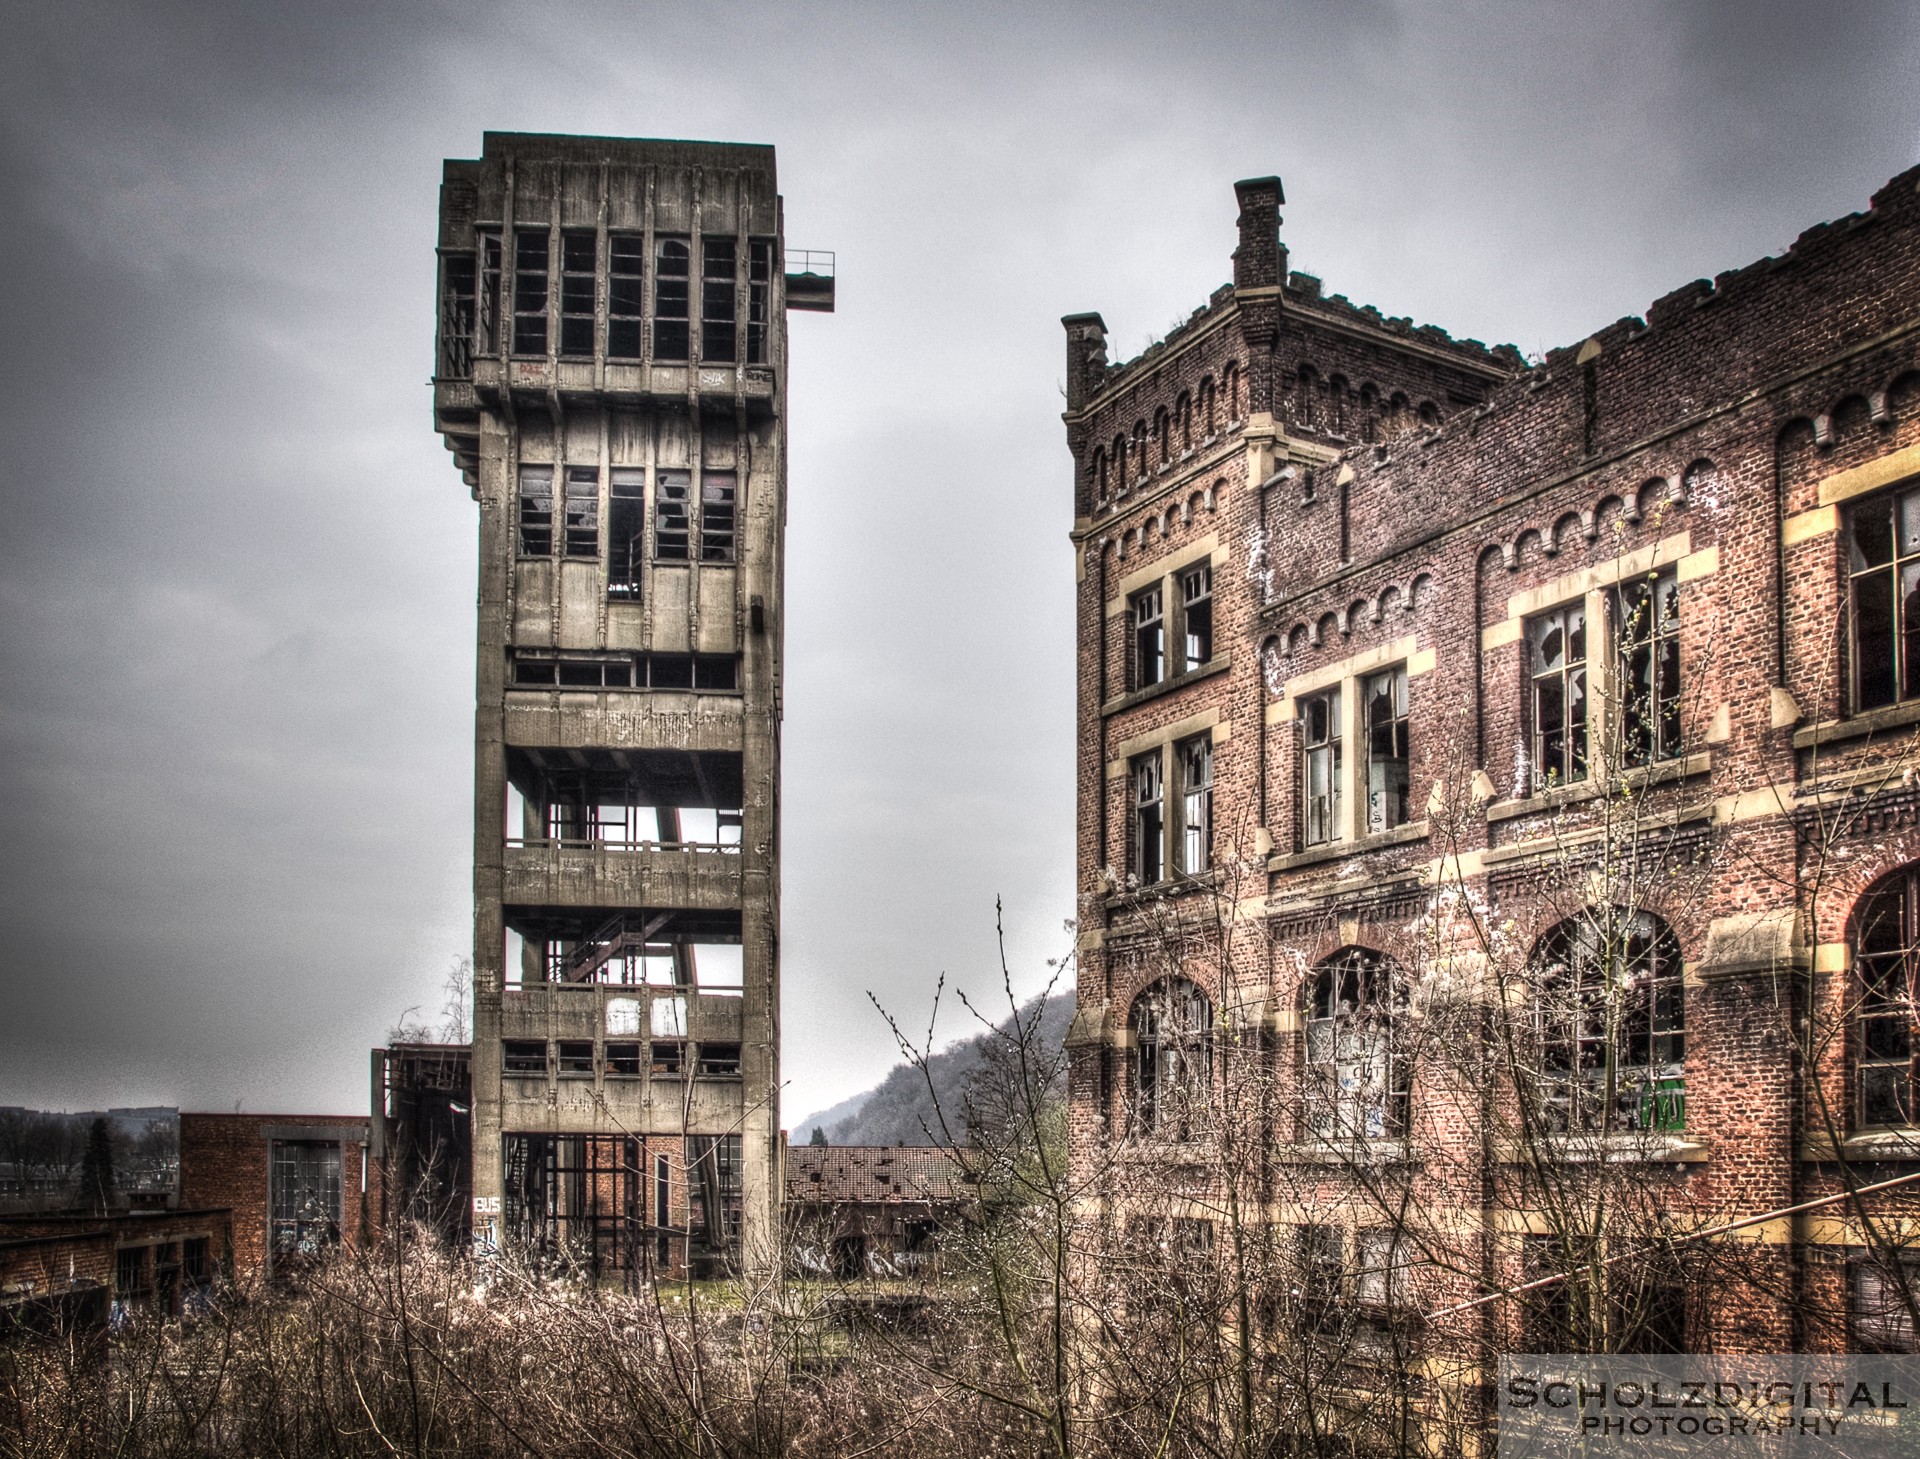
611,380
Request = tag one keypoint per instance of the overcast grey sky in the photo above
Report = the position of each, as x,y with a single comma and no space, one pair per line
238,577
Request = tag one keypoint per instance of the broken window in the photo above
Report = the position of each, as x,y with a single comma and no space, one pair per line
626,294
669,671
576,1058
1196,612
1610,1019
536,511
716,516
717,329
1646,625
1880,1297
1148,818
671,260
623,1059
577,248
304,1197
1383,1275
1149,637
1195,759
1883,558
715,1195
1557,668
1384,701
720,1061
715,673
1173,1032
530,250
487,320
626,525
523,1056
583,511
670,527
759,298
1886,933
1322,1255
1357,1080
458,301
1320,747
666,1057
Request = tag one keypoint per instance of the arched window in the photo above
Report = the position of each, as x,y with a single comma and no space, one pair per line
1140,462
1209,410
1173,1060
1307,388
1162,437
1099,471
1886,938
1230,387
1120,463
1183,412
1357,1076
1337,404
1610,1022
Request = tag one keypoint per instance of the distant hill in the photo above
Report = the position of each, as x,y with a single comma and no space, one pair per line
900,1109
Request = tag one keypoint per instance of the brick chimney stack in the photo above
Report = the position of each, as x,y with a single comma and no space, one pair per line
1261,259
1086,357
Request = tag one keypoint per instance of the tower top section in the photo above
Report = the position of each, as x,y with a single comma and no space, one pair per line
613,273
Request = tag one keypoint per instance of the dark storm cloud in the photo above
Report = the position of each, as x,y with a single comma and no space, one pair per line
237,675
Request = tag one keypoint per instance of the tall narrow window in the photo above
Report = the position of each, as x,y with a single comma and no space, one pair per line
583,511
458,300
1173,1073
530,249
1557,653
1357,1079
1320,746
1149,819
1149,638
671,263
1883,554
488,339
1886,935
576,292
759,298
536,511
670,490
1196,609
716,516
1195,759
626,260
717,330
1646,622
626,521
304,1197
1384,699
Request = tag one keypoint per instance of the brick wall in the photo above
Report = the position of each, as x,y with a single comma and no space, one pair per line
224,1162
1719,438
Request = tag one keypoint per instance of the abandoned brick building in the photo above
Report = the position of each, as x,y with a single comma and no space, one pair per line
1395,651
611,381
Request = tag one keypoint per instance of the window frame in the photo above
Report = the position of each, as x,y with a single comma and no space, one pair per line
533,523
1645,730
1195,582
1193,838
1325,750
719,328
1384,815
1147,817
626,550
672,333
525,341
579,288
1357,1031
626,295
672,534
1903,639
1882,1040
719,516
1147,613
580,512
1562,676
1172,1056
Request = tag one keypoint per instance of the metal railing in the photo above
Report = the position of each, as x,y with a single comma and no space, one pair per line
816,261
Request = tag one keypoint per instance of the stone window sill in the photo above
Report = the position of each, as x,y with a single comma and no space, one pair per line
1858,726
1338,850
1627,1145
1392,1151
1661,772
1218,664
1897,1142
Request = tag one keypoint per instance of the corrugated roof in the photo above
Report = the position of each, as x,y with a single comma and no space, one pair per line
871,1174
